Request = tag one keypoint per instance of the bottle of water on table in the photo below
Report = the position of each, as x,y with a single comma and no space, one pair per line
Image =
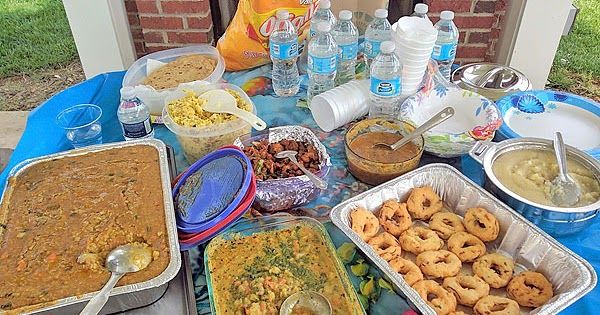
421,10
378,31
283,48
322,60
444,50
134,116
346,36
323,14
386,84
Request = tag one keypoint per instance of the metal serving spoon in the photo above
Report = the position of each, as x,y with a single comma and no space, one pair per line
564,191
220,101
313,178
121,260
434,121
314,301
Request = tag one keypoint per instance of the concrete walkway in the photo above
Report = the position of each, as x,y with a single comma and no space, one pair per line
12,125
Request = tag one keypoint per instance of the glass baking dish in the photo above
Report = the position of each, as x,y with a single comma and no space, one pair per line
251,227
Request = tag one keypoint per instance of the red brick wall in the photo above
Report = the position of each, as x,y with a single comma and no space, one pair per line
162,24
479,23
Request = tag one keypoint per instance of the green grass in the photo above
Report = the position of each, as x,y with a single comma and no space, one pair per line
34,34
577,63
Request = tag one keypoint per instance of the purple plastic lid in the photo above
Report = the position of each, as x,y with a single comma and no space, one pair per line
211,189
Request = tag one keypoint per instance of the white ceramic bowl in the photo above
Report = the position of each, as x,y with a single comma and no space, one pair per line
476,118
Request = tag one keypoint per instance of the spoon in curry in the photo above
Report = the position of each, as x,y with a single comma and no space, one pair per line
321,184
564,191
437,119
121,260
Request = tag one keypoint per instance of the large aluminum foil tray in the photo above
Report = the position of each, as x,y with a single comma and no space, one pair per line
531,248
145,292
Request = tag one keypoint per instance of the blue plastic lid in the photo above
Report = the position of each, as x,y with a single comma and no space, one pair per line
211,189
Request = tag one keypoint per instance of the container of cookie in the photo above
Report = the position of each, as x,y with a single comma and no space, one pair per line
155,74
48,266
448,245
280,185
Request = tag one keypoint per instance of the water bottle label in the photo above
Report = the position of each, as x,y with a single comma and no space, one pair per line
444,51
137,130
372,48
312,33
348,51
284,50
322,64
386,88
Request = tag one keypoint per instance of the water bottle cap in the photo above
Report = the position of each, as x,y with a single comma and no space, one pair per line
345,15
323,27
421,8
283,14
325,4
387,47
447,15
127,92
381,13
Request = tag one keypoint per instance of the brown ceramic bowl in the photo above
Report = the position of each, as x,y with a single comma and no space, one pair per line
372,172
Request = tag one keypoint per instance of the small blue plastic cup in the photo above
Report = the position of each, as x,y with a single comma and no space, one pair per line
81,124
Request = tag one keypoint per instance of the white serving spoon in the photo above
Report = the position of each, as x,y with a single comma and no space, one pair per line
220,101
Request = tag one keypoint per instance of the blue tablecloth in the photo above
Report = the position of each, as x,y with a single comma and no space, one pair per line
42,136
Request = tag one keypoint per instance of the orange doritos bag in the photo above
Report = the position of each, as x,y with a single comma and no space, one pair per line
245,43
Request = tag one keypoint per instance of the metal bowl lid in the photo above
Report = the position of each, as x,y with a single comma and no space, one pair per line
491,76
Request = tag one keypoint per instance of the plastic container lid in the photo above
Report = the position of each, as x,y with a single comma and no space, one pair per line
381,13
282,14
387,47
421,8
345,15
447,15
214,187
324,4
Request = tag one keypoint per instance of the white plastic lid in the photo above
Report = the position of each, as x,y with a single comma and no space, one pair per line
283,14
323,27
324,4
387,47
421,8
381,13
447,15
345,15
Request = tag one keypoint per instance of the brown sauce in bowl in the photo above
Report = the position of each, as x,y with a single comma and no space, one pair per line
364,146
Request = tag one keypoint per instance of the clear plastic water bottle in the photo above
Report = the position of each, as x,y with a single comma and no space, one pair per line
322,61
386,84
378,31
283,48
346,36
134,116
421,10
444,50
323,14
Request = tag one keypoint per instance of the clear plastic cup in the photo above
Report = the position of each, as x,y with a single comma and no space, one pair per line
81,124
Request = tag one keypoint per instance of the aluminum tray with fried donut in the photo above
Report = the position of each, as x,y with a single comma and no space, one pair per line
519,256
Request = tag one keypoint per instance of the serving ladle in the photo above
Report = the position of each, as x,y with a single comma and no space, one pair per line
220,101
437,119
564,191
120,261
289,154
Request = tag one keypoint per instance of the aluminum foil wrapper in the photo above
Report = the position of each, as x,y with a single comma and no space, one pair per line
529,246
286,193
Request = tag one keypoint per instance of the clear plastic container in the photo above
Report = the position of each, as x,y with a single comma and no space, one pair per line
199,141
155,100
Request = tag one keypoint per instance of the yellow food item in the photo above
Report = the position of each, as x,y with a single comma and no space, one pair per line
188,111
528,173
255,274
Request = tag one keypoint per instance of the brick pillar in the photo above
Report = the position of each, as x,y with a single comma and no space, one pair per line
479,23
161,24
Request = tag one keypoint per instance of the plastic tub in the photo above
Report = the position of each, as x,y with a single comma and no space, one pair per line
136,74
199,141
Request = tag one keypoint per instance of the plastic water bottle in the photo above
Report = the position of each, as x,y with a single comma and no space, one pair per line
283,48
323,14
421,10
444,50
386,84
346,36
134,116
378,31
322,61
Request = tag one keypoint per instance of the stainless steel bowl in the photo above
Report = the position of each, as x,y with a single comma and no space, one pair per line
490,80
554,220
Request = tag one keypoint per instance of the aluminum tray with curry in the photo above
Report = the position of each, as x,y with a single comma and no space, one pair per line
255,266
